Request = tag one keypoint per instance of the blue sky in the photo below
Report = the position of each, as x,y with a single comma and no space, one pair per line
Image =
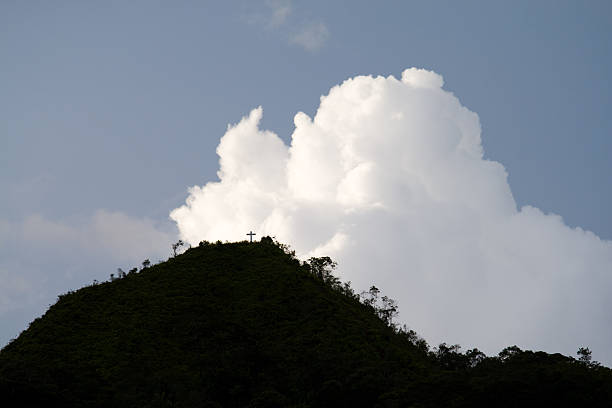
118,107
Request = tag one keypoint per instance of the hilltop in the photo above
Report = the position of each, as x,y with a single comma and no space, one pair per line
247,324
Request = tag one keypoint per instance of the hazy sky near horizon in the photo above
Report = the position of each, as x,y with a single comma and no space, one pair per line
110,111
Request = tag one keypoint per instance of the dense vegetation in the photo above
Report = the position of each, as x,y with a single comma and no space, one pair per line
248,325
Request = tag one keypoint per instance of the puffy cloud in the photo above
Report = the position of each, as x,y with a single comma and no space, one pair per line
389,179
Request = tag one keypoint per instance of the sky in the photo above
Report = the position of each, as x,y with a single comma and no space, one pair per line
475,182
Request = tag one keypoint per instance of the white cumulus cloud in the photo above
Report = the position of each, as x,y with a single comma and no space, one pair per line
389,179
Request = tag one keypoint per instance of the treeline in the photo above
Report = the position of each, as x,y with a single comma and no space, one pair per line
386,309
249,325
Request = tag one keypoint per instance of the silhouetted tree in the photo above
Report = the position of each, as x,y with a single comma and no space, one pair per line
370,298
509,352
267,240
348,291
475,357
388,311
146,263
322,268
176,246
584,355
450,357
285,248
414,338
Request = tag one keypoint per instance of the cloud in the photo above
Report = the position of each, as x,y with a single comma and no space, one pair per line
389,179
274,14
311,37
113,234
13,289
280,11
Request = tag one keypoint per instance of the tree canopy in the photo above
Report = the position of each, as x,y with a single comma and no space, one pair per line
249,325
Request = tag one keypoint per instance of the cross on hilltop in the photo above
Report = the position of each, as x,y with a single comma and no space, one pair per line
250,234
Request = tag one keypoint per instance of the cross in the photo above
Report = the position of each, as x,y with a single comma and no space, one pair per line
250,234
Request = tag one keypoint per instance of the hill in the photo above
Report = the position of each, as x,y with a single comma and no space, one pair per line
248,325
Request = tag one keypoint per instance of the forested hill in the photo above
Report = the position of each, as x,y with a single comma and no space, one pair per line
248,325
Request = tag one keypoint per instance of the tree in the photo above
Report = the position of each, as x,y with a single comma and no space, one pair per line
322,268
475,357
146,263
585,355
176,246
413,338
509,352
267,240
388,308
450,357
388,311
370,298
346,289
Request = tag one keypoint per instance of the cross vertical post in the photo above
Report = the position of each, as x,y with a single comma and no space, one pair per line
250,234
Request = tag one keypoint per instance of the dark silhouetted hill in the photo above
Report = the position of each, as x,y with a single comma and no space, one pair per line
248,325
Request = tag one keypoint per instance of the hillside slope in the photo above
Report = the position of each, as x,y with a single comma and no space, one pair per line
245,324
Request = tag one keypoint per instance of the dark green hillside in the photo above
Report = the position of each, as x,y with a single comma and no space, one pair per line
237,325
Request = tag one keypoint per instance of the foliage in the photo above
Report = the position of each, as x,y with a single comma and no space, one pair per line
248,325
385,307
176,246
